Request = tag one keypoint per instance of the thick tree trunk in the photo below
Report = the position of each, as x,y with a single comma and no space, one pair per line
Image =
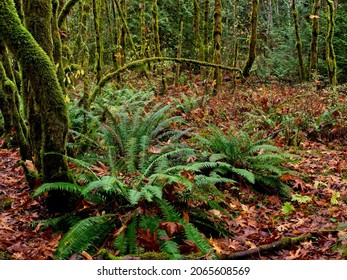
252,39
40,72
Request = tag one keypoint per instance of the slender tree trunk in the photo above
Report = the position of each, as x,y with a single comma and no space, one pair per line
9,90
313,68
98,40
19,7
205,41
206,27
298,43
64,11
329,47
157,52
121,8
252,39
217,34
155,18
143,29
40,71
196,24
179,54
57,46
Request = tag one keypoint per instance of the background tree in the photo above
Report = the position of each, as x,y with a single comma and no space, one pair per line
252,39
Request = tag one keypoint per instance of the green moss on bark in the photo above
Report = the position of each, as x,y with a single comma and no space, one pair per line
40,71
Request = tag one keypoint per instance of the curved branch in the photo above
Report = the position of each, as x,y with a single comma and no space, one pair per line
65,11
137,63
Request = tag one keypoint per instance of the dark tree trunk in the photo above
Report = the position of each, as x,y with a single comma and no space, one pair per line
298,43
252,39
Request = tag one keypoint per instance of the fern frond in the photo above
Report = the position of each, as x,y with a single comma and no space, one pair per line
121,243
149,222
194,235
84,234
131,233
249,176
58,186
169,212
168,246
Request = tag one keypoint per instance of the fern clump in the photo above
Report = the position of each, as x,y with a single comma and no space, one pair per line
256,162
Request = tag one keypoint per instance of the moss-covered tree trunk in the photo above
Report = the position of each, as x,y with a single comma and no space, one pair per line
252,39
298,43
143,29
121,8
217,35
37,19
313,68
196,25
41,74
9,90
5,98
64,11
157,51
329,47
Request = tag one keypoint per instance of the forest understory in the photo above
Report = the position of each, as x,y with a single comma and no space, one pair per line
309,223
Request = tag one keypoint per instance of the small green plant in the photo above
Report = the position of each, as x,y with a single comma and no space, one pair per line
186,103
302,199
287,208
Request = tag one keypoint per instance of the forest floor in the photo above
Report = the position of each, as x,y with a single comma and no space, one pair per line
319,199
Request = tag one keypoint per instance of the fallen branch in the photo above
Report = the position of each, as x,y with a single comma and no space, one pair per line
284,242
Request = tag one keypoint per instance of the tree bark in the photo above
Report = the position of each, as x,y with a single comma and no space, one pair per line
98,41
252,39
298,43
217,35
329,47
40,71
314,40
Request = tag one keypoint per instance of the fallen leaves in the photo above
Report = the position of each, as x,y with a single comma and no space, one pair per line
18,237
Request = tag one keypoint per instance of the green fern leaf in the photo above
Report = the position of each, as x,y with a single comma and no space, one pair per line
194,235
84,234
58,186
249,176
169,212
121,244
168,246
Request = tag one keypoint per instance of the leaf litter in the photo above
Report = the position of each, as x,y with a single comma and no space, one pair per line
318,207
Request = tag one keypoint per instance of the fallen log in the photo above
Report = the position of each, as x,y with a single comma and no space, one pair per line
279,244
